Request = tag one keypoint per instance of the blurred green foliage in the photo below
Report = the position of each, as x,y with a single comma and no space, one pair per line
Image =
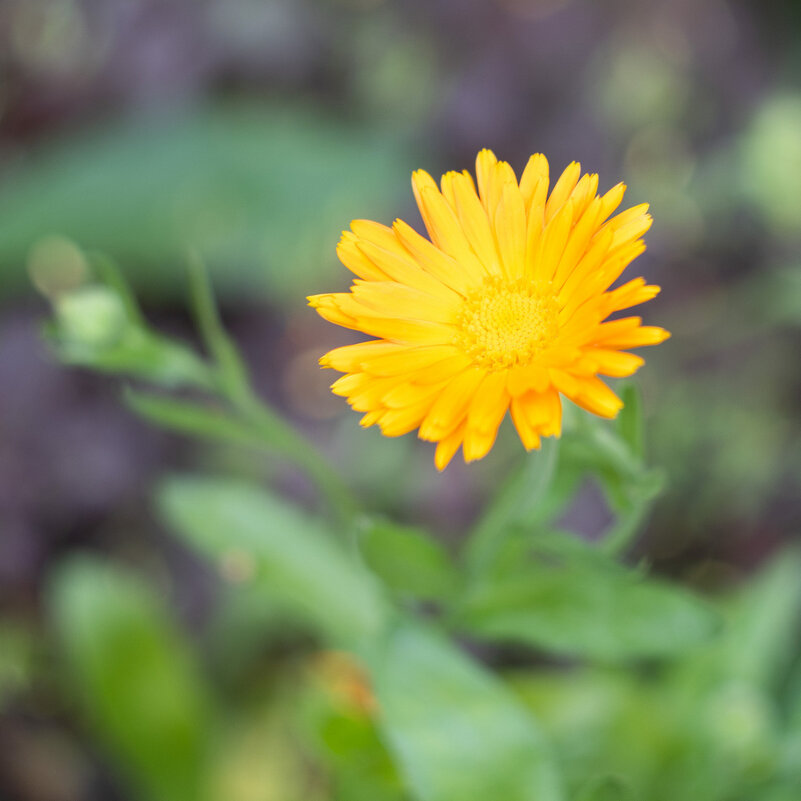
262,191
668,695
351,657
138,683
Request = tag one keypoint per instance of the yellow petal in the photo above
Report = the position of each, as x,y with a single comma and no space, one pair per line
410,332
534,229
570,295
446,187
475,224
397,422
432,259
391,299
421,180
349,358
534,181
528,435
527,378
403,270
404,359
552,243
447,234
409,394
350,255
613,267
594,396
625,217
631,231
541,412
447,368
510,230
611,200
489,403
485,174
583,194
477,444
577,243
630,294
328,307
638,337
562,189
450,407
447,447
615,363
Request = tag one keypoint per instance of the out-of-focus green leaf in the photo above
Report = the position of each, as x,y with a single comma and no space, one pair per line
456,732
136,679
788,792
606,788
710,726
763,624
344,735
261,190
362,768
571,599
258,759
770,160
634,86
294,555
613,456
408,561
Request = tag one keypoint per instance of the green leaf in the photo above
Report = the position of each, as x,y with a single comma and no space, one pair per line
613,456
763,623
409,561
293,554
135,677
457,733
572,600
605,788
261,190
344,737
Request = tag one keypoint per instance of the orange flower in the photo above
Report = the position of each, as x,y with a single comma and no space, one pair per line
503,309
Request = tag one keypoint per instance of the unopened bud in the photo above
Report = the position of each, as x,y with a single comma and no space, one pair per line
92,315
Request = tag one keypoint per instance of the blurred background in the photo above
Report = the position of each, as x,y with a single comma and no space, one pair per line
253,131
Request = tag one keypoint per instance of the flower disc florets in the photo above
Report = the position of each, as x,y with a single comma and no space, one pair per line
504,324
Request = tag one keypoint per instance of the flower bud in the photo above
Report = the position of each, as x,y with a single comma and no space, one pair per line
92,315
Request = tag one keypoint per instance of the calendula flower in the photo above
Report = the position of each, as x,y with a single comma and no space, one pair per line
505,308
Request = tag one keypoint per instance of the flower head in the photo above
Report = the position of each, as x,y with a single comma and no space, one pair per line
504,308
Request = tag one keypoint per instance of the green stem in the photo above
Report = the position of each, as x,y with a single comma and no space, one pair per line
521,492
235,385
619,537
275,432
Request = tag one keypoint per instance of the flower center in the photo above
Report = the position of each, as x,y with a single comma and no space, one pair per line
505,323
